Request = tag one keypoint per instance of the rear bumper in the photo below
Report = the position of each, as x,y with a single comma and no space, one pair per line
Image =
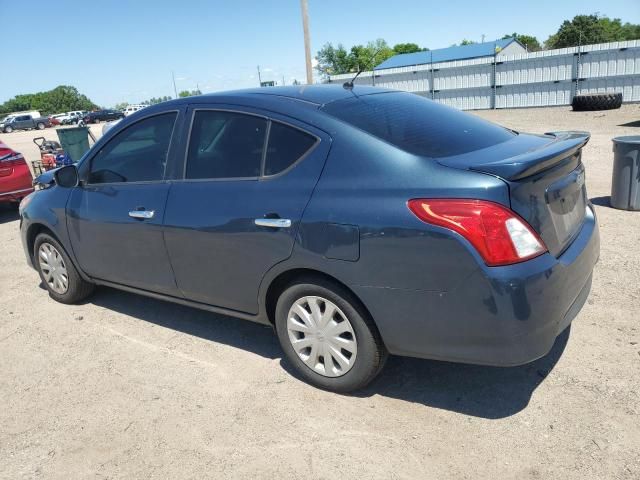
499,316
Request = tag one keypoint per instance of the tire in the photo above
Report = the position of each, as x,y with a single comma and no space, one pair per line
40,126
359,332
597,101
8,129
76,289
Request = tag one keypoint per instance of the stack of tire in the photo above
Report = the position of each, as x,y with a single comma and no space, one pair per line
596,101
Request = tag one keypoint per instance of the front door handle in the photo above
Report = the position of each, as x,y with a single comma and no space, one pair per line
273,222
142,214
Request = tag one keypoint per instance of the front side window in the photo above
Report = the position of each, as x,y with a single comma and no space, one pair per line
225,145
137,154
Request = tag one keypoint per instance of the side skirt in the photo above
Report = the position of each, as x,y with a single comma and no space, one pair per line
167,298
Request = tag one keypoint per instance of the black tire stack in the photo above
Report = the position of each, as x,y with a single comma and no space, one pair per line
596,101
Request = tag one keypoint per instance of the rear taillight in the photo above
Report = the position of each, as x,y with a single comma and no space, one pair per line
497,233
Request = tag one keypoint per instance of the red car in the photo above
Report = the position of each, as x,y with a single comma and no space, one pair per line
15,176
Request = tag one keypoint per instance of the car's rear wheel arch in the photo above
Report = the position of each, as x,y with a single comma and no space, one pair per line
289,277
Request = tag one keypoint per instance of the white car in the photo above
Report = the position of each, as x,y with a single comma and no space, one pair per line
70,117
132,109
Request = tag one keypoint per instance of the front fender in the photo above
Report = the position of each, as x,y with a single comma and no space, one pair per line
47,210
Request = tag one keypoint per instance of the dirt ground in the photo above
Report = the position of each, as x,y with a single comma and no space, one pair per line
128,387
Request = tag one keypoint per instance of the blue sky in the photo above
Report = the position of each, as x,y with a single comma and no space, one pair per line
117,50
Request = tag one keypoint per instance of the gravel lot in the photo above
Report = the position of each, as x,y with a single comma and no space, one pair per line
129,387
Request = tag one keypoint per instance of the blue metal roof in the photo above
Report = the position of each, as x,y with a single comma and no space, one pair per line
461,52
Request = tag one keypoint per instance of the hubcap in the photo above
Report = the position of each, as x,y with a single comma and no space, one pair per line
53,268
322,336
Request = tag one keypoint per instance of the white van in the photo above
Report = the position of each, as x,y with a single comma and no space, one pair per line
132,109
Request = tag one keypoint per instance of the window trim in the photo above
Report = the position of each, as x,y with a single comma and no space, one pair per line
262,176
141,182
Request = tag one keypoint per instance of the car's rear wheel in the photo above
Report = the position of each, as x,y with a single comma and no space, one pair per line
58,273
327,336
40,126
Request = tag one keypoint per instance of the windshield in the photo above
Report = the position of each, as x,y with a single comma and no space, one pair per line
417,125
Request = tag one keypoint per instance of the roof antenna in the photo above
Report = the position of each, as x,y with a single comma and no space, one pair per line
349,85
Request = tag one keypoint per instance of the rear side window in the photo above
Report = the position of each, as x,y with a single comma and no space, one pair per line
417,125
137,154
225,145
286,146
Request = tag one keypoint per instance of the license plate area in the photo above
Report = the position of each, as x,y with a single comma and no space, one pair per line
567,199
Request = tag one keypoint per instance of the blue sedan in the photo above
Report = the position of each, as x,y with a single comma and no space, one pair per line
358,221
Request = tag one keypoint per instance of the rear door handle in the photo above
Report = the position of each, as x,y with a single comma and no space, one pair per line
142,214
273,222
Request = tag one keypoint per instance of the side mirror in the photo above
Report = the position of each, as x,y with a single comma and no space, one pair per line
67,177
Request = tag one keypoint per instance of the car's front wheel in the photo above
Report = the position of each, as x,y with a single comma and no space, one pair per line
8,129
58,273
328,336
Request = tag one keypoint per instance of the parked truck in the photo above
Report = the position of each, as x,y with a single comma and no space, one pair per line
23,122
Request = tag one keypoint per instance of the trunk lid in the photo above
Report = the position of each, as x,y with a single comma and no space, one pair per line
545,176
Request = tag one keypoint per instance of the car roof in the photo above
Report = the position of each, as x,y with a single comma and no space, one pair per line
315,94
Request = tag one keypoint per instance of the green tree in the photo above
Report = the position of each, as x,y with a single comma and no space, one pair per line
374,53
467,42
589,29
333,60
337,60
121,105
407,48
61,99
529,41
189,93
155,101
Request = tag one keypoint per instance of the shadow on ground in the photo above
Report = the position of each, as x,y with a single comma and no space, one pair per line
242,334
8,213
488,392
602,201
634,123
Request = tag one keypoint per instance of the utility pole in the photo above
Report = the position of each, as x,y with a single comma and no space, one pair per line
307,43
175,90
259,77
482,41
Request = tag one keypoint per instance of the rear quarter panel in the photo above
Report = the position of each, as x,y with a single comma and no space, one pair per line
367,183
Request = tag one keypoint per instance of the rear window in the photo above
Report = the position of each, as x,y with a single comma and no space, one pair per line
417,125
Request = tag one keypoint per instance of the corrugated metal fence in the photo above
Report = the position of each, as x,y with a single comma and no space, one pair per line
537,79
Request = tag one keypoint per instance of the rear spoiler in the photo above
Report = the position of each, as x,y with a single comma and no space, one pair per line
562,146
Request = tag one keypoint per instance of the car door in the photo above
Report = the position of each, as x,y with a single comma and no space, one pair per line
115,216
23,121
235,213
